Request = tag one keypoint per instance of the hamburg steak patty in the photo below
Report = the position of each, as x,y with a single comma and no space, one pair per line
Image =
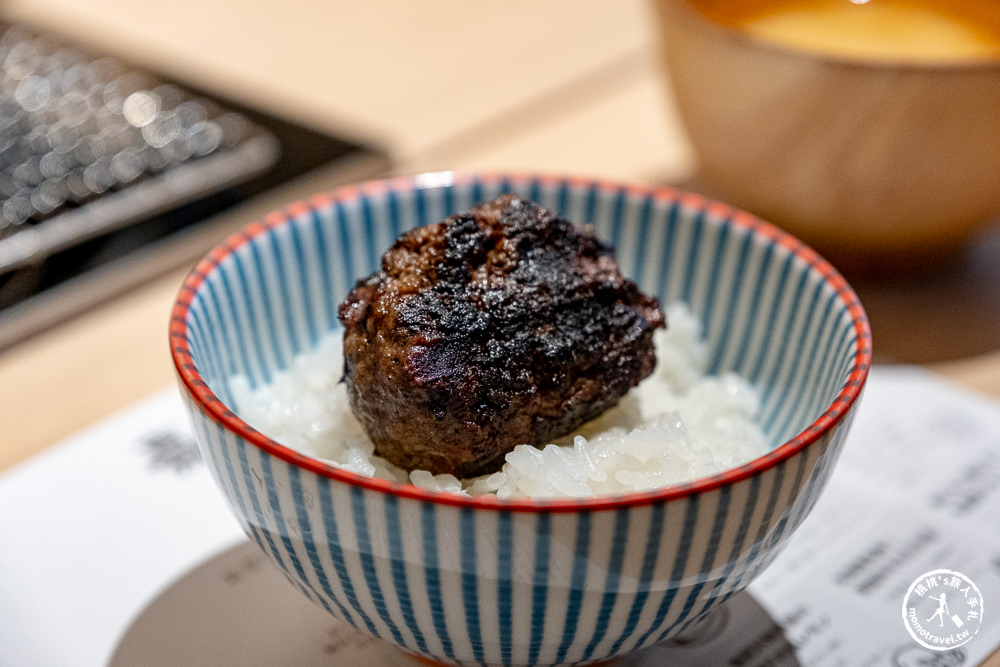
501,326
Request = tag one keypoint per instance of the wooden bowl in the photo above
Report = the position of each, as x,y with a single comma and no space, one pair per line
878,164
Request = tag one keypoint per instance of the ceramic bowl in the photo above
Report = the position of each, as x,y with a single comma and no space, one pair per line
475,580
880,164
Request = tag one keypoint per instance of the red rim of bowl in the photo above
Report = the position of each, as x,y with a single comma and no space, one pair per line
202,396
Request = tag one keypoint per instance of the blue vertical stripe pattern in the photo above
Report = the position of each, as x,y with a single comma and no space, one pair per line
334,541
580,559
539,588
681,554
505,584
516,585
651,553
373,583
309,542
432,579
394,530
470,582
611,584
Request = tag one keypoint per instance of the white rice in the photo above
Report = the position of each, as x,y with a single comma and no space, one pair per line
678,425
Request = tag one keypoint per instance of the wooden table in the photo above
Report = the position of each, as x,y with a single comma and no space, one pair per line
569,86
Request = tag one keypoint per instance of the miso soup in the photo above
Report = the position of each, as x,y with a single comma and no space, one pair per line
894,30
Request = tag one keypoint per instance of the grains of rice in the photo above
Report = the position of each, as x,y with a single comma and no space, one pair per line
677,425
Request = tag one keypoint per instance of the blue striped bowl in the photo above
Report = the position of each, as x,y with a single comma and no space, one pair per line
482,581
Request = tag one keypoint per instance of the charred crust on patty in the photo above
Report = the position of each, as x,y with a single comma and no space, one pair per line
501,326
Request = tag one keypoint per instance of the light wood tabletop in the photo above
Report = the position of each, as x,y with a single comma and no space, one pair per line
566,86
